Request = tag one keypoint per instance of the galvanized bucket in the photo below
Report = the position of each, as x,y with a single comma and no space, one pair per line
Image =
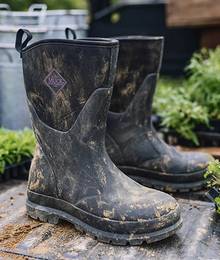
42,23
32,17
59,31
75,17
67,17
8,33
38,14
14,112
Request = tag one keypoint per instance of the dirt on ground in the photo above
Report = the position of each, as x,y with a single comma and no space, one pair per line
11,256
12,234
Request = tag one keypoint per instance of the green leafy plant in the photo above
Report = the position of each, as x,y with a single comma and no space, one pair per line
15,146
184,104
178,112
203,84
213,175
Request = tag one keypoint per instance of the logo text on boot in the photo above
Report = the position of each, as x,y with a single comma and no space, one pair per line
55,81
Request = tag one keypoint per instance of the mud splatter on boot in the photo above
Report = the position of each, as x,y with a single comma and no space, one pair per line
131,140
69,88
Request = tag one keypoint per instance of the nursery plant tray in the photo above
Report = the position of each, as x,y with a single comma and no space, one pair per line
24,238
16,171
206,139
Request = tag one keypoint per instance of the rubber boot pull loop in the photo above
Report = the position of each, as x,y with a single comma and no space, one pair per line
68,31
19,45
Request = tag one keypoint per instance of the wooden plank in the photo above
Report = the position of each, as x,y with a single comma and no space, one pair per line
210,38
193,12
24,238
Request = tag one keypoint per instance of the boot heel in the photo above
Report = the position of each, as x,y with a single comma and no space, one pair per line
41,213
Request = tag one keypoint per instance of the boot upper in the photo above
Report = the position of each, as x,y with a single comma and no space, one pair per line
131,139
72,171
138,56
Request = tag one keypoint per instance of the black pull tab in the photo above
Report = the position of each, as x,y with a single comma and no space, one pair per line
68,31
19,45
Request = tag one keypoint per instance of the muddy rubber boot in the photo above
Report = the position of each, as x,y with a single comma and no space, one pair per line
131,140
69,88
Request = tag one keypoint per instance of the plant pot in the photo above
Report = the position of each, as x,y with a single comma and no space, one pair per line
213,128
208,136
173,138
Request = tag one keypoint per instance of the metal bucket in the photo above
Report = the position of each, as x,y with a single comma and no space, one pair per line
77,17
8,33
31,17
67,17
37,14
14,112
41,23
59,32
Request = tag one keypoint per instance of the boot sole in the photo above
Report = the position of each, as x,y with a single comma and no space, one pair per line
53,216
139,175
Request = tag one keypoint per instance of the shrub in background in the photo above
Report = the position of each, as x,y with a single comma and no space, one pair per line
203,83
178,112
184,104
15,146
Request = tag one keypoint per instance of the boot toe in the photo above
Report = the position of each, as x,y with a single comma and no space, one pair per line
197,161
149,205
150,212
141,211
155,211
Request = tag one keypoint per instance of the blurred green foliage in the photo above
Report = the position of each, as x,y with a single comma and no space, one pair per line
213,171
213,176
183,104
204,80
21,5
15,146
178,112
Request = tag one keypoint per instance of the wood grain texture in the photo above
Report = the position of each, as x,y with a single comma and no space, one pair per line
24,238
193,12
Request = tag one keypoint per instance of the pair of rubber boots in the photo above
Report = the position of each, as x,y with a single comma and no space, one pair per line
69,85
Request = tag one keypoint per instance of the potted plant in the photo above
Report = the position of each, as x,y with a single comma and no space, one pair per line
189,108
178,114
16,150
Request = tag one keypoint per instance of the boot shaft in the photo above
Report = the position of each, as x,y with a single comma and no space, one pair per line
60,76
138,57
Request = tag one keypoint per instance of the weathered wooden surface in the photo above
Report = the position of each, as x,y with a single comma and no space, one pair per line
210,37
23,238
193,12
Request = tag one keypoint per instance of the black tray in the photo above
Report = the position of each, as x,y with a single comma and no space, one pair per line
16,171
207,136
206,139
